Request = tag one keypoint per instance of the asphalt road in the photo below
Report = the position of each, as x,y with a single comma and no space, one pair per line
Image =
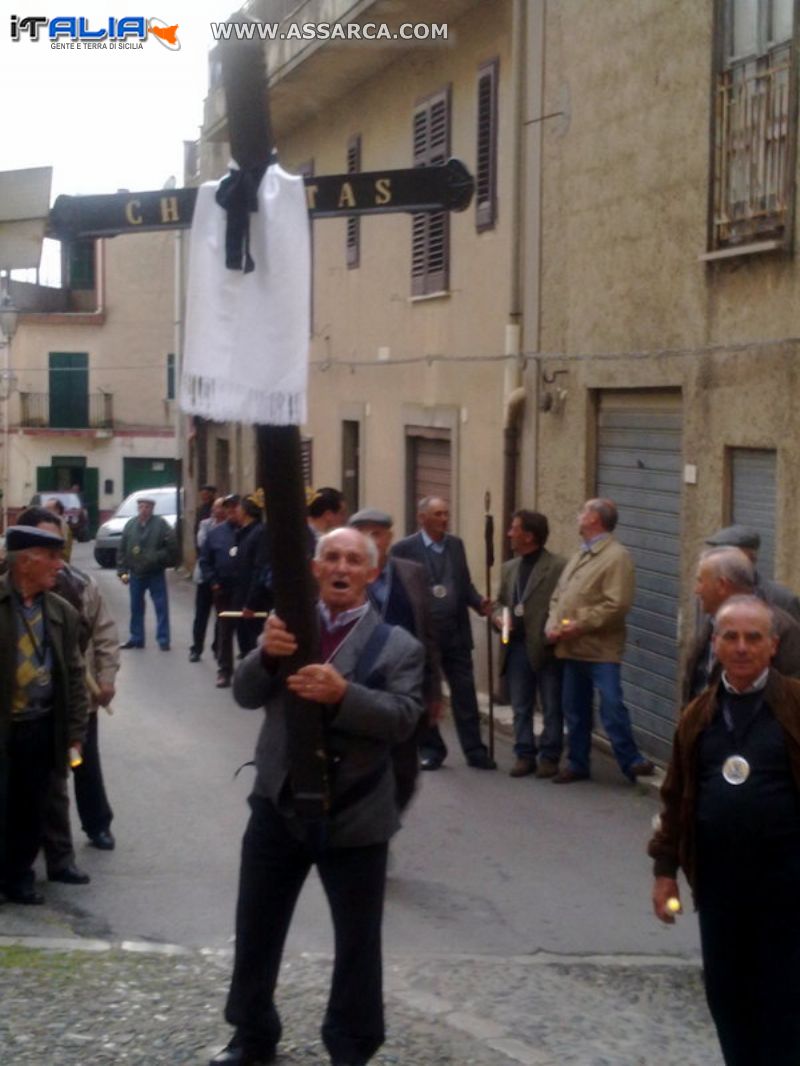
485,864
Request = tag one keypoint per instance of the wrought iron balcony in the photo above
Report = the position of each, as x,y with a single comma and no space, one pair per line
92,411
753,150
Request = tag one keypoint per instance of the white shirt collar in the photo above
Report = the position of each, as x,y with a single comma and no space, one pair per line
759,683
344,618
429,542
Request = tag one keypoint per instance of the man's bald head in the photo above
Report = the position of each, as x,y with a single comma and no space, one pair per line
745,639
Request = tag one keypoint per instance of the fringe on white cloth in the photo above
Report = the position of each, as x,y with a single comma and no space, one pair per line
247,335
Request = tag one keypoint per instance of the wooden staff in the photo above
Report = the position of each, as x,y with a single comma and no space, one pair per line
488,536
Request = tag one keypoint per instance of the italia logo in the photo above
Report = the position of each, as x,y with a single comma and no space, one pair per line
79,29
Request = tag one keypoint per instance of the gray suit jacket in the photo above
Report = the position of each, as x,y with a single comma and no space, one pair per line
361,732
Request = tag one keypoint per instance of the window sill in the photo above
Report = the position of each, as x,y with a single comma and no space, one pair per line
424,296
742,249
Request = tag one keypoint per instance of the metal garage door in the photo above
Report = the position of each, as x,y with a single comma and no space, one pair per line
429,468
639,467
753,499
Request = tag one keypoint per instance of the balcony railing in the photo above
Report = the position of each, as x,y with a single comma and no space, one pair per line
752,165
94,411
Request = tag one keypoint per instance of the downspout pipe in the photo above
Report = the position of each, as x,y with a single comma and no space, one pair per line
514,393
515,411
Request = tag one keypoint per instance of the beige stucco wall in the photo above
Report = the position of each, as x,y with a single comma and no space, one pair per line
358,312
625,189
127,340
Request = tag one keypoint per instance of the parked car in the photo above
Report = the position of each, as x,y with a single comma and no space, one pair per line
75,513
110,532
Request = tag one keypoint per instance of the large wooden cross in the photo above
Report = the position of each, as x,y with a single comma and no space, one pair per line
448,187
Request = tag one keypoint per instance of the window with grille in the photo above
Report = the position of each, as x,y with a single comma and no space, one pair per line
430,235
486,155
754,141
353,246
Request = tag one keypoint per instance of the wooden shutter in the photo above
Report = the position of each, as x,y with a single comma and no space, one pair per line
353,248
486,161
430,239
306,458
307,171
69,390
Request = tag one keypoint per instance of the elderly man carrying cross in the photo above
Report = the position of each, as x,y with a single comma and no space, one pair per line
370,684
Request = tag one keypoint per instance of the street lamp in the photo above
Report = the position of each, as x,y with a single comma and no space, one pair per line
9,319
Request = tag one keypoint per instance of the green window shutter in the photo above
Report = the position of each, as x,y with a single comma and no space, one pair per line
69,390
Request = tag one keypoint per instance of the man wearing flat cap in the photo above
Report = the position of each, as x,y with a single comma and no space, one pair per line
721,574
43,703
400,596
748,540
147,548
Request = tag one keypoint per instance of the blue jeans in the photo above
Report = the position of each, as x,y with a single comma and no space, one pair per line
580,678
156,584
523,684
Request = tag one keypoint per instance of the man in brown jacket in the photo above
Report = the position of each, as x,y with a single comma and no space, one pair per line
587,625
731,821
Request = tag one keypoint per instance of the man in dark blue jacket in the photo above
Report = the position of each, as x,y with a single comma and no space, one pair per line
451,595
218,569
400,596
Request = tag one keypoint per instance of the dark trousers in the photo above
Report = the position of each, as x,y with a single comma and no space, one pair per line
29,763
273,868
248,630
751,960
226,628
91,800
457,668
203,602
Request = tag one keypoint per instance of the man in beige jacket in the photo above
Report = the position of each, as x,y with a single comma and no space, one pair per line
587,625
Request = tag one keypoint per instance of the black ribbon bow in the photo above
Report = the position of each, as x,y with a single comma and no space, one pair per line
238,195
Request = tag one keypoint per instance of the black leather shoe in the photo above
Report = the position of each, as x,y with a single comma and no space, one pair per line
430,762
237,1055
164,647
28,897
482,761
103,840
194,656
70,875
130,644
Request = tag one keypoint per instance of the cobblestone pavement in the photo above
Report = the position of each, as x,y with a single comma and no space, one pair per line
91,1003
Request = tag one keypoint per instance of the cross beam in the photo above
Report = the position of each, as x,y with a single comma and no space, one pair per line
446,187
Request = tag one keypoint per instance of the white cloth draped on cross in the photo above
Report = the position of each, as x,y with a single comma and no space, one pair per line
247,334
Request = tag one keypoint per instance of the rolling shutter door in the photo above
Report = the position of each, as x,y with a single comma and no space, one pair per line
753,499
639,467
428,468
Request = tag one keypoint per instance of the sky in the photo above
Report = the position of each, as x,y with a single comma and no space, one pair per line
105,119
